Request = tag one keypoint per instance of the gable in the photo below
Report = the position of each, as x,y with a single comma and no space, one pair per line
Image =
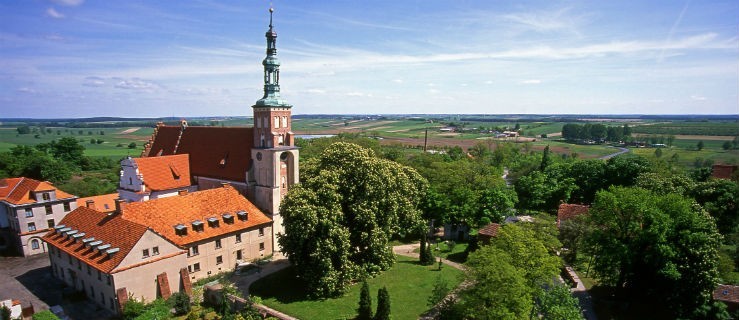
165,172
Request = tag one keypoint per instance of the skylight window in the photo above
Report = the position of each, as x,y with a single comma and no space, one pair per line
180,229
197,225
242,215
213,222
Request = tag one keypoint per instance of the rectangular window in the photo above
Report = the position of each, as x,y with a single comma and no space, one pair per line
261,246
67,207
193,251
89,271
29,212
107,279
50,223
261,232
31,226
155,251
45,196
146,253
238,255
99,275
218,243
219,259
48,209
196,267
238,237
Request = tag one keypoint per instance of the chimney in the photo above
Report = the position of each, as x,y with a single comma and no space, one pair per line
182,192
90,204
119,205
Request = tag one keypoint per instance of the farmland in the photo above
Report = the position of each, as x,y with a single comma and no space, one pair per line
536,132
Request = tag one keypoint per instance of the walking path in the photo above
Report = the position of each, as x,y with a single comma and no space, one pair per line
621,151
582,295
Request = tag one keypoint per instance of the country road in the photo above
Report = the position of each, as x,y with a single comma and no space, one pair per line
621,151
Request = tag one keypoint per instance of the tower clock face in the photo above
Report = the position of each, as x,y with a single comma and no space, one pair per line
259,156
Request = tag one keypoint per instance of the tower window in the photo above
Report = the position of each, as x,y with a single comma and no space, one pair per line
277,122
284,121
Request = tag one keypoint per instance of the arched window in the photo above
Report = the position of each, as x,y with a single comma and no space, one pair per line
284,121
34,244
277,122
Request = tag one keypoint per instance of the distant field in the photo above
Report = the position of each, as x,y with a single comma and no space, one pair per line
707,128
111,137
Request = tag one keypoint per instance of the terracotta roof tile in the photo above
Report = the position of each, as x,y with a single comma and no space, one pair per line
110,229
166,172
217,152
726,293
490,230
18,190
723,171
163,214
569,211
102,203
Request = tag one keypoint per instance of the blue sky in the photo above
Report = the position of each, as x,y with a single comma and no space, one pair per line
80,58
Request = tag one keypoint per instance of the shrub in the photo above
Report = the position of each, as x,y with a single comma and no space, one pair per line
43,315
181,303
383,305
365,303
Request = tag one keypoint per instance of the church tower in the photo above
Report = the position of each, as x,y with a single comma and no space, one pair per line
274,155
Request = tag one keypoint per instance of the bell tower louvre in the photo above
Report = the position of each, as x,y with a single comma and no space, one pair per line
274,155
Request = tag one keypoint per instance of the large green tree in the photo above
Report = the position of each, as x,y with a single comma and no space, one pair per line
339,220
508,274
660,247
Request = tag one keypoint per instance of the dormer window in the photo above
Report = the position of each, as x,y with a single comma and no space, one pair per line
228,218
213,222
243,216
180,230
175,172
197,226
45,196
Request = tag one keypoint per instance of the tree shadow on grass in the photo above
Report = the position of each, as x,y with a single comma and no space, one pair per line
283,286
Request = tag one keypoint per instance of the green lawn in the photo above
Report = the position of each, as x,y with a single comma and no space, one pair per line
442,249
408,283
111,139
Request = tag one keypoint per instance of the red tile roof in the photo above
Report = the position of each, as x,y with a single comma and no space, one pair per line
726,293
102,203
163,214
723,171
18,190
490,230
110,229
216,152
165,172
569,211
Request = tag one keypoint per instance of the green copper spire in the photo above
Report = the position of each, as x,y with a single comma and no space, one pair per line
271,72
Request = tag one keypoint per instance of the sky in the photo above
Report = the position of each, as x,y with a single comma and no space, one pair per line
87,58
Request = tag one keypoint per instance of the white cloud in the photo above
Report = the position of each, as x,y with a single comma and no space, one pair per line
94,82
358,94
696,97
69,3
315,91
51,12
531,81
136,84
398,80
25,90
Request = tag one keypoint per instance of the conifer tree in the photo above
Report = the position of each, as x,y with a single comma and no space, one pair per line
383,305
365,303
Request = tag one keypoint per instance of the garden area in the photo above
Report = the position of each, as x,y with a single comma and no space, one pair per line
409,284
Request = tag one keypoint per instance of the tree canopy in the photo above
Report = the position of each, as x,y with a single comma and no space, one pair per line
339,220
661,246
